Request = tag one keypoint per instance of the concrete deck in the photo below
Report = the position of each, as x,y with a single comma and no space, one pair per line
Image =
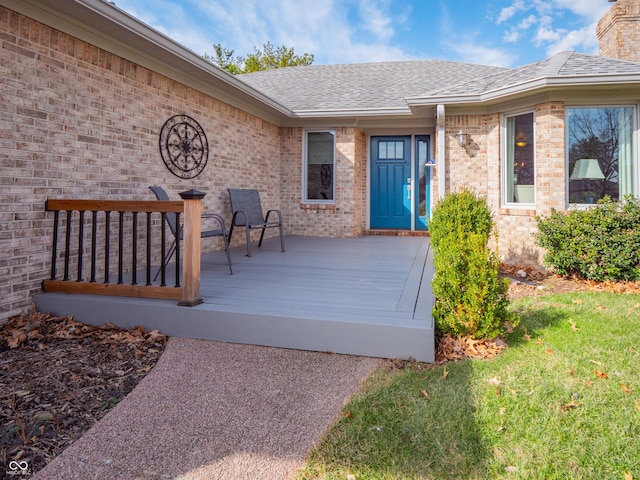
363,296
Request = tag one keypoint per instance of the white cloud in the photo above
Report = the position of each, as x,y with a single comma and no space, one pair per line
511,36
508,12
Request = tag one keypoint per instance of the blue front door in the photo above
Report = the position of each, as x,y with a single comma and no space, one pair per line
391,182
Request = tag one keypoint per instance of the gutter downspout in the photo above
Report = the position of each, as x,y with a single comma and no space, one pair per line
440,149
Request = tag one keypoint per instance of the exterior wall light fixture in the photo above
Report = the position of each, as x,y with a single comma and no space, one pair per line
462,138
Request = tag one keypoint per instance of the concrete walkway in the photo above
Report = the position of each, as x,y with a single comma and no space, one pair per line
211,410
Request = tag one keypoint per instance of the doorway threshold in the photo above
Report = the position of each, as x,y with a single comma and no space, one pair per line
390,232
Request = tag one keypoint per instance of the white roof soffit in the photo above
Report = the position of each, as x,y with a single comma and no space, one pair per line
104,24
525,88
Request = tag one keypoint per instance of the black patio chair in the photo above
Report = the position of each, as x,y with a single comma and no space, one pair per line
171,221
247,212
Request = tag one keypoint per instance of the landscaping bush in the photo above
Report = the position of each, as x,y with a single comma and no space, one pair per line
462,210
599,243
471,297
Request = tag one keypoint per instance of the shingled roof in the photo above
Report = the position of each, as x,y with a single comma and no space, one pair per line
361,86
393,86
563,68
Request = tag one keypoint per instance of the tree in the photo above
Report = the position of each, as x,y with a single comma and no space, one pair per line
268,58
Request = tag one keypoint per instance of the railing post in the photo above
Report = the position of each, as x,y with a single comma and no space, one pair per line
191,241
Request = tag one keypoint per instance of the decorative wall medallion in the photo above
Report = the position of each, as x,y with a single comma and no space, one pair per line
183,146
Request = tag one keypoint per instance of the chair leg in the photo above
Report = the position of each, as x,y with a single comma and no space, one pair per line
261,236
248,240
226,249
281,238
166,259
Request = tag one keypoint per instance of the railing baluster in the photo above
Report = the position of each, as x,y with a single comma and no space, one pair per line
67,246
178,251
54,249
94,236
120,245
134,254
107,234
163,239
80,245
148,248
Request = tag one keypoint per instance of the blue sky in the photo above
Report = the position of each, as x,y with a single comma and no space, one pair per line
506,33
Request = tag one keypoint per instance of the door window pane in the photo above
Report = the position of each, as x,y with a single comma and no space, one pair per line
320,166
600,153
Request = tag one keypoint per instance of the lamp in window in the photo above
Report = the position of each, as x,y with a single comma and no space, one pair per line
462,138
586,169
521,141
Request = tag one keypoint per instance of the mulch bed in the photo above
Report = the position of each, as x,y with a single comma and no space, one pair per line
58,377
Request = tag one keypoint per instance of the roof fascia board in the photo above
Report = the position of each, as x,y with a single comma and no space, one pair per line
146,48
336,113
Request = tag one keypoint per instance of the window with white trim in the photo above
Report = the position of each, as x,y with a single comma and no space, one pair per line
319,167
518,159
600,153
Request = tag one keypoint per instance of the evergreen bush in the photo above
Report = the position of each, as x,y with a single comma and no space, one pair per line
471,297
599,243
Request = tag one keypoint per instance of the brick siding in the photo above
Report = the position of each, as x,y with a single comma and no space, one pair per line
79,122
618,31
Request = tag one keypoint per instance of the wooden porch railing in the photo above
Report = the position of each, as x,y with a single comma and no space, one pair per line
188,294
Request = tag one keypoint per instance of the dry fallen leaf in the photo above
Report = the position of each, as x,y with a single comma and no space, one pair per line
494,381
427,396
588,383
549,351
511,469
600,364
577,301
569,406
502,411
526,336
626,388
628,476
600,374
508,327
445,373
573,325
638,405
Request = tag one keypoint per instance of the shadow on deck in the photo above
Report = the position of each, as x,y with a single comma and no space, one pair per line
363,296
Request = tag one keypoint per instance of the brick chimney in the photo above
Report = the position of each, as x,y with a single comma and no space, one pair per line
619,31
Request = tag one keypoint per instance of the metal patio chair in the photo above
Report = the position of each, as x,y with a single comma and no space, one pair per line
171,221
247,212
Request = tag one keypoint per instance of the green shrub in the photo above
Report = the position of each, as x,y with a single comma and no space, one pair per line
599,243
462,210
471,297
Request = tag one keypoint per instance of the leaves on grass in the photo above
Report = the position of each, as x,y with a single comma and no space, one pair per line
526,336
511,469
494,381
628,476
638,405
600,374
459,348
426,395
573,325
549,351
626,388
445,373
577,301
569,406
595,362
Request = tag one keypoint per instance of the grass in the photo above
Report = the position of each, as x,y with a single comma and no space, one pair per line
563,402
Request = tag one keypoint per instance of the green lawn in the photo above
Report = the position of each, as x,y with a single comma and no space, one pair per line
562,402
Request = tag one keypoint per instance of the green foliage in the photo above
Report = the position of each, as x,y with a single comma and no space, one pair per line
471,297
600,243
268,58
463,210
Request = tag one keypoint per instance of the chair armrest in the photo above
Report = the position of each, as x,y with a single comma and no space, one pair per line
278,212
217,218
236,214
